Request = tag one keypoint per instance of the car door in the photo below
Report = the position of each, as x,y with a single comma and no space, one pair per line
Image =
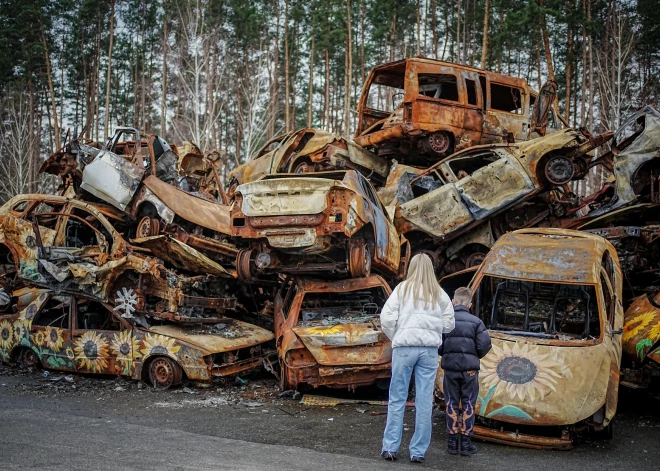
51,333
506,112
83,236
101,343
474,106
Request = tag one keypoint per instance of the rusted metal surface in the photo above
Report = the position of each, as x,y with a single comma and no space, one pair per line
328,333
641,331
119,346
332,221
522,440
551,301
424,108
308,150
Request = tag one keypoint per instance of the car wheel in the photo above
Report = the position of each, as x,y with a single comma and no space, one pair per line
303,167
28,358
359,261
245,264
164,373
147,227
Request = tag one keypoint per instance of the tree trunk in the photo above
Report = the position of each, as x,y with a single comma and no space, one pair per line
568,68
591,72
106,124
434,29
363,15
51,90
287,116
546,43
349,69
310,99
276,74
163,96
458,32
484,44
326,102
419,26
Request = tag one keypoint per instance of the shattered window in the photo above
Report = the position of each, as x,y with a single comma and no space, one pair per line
384,98
19,207
471,87
608,299
47,214
290,296
467,165
544,310
92,315
440,86
54,313
505,98
627,133
341,308
85,230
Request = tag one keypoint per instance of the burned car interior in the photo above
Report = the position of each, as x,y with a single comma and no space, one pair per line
353,306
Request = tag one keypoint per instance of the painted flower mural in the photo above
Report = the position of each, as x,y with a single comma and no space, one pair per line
91,351
38,338
22,331
635,325
521,371
125,347
53,338
159,345
6,335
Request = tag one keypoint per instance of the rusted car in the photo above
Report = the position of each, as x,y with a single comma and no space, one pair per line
641,341
551,299
161,191
330,221
480,193
79,334
59,242
308,150
425,108
328,333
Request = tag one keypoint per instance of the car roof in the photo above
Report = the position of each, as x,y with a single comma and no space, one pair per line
335,286
548,255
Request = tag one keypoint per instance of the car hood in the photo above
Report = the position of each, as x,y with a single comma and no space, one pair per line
523,382
215,340
346,344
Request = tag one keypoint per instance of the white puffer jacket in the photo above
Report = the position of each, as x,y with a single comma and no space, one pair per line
409,326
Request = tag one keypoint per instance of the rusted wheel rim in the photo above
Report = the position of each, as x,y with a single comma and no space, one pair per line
147,227
244,265
29,358
302,167
474,259
439,142
559,170
163,373
360,260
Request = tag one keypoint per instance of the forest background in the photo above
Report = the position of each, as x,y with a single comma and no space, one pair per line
230,74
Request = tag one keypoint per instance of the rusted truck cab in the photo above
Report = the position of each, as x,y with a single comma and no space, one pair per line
425,108
328,333
551,299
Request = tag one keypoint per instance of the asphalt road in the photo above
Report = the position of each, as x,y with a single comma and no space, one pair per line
91,423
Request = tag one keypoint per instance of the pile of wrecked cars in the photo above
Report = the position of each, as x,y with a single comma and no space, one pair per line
287,264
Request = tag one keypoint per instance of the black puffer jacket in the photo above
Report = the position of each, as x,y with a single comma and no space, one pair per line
463,347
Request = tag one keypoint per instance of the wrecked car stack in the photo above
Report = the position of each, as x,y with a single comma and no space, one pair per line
308,237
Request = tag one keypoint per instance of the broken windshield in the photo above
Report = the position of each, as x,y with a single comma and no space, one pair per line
341,308
544,310
385,92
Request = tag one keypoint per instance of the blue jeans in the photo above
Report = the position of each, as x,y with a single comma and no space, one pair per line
424,362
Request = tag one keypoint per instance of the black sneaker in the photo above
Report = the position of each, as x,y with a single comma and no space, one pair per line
389,455
416,459
467,448
452,444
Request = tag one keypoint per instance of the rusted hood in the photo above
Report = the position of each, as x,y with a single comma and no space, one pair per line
523,382
232,337
346,344
205,213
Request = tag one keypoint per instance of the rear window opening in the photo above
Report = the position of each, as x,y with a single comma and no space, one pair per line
466,166
535,309
505,98
439,86
351,307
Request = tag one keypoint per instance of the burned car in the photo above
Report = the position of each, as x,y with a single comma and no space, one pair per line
425,109
551,300
482,192
328,333
58,242
308,150
80,334
641,341
330,221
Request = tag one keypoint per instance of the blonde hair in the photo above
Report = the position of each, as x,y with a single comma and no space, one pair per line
462,296
420,284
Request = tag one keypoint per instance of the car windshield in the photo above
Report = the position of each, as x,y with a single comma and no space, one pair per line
536,309
386,91
350,307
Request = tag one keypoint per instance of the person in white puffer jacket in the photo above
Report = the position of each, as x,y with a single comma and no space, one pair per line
414,318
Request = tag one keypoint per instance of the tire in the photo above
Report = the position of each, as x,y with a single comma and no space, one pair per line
164,373
359,260
28,358
147,227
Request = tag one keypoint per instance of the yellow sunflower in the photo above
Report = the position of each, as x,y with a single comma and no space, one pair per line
53,338
654,332
70,354
91,351
521,371
6,335
38,338
159,345
22,330
125,346
634,326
